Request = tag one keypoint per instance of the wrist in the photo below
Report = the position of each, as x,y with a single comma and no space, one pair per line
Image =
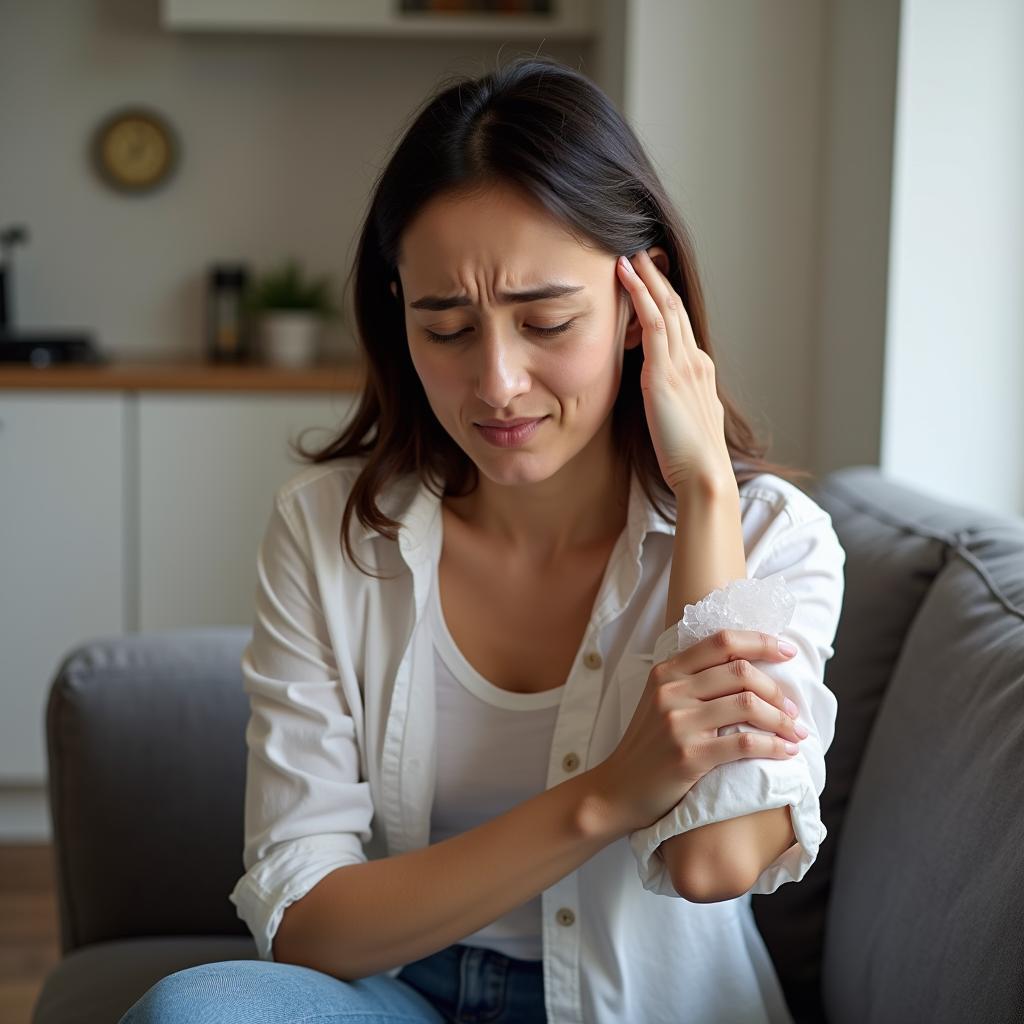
598,812
708,485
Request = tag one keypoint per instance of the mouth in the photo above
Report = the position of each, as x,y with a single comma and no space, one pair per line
505,424
516,433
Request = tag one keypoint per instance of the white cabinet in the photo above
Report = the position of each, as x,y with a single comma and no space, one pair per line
567,19
124,511
208,467
62,554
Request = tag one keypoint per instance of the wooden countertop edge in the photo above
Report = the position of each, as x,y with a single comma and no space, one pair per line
183,376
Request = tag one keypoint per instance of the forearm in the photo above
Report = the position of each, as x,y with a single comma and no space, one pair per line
707,554
708,550
363,919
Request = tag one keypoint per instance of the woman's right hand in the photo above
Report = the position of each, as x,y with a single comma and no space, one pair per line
672,739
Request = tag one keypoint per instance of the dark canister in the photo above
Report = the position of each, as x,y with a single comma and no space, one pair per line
227,328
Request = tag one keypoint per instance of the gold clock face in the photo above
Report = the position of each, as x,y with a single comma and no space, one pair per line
135,150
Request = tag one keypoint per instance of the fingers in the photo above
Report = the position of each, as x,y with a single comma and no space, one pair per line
657,302
720,666
739,745
727,645
755,704
740,692
667,299
661,338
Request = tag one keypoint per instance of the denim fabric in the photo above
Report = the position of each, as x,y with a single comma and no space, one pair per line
473,985
465,984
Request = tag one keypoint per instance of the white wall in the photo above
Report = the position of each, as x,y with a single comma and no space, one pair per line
728,99
862,46
852,170
953,416
282,137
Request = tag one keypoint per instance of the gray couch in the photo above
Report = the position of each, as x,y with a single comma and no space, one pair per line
914,910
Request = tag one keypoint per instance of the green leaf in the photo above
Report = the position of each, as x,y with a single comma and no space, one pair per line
288,287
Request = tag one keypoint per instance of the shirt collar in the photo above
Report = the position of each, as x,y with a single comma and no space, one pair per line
412,503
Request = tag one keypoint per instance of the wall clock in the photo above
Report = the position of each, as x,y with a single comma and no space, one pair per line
135,149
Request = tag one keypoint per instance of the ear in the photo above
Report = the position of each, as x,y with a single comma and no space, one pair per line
634,329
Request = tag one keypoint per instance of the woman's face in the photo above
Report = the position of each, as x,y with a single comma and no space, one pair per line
558,357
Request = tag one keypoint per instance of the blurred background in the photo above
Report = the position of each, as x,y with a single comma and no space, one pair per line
181,184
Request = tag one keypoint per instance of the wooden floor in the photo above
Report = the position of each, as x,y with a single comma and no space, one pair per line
29,932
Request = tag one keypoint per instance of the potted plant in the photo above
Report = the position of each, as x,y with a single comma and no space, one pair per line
291,309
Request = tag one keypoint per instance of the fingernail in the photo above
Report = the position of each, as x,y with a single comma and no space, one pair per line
791,748
786,647
791,708
624,260
800,730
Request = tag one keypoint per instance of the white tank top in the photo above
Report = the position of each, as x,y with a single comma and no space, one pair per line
492,754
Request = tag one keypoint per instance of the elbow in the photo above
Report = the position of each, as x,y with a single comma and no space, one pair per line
283,946
277,950
293,952
295,942
708,883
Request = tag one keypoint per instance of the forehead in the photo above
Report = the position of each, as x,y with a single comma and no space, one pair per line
501,231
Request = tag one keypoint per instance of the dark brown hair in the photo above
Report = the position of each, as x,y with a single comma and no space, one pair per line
545,128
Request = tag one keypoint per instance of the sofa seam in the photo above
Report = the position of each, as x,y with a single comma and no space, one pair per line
979,567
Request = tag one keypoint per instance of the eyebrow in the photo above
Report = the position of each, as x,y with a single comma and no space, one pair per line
546,291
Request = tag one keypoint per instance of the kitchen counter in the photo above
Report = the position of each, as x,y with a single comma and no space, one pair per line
183,374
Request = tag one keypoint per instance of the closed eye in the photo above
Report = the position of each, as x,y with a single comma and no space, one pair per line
547,332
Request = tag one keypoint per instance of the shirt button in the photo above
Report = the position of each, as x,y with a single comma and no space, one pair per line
593,660
570,762
565,916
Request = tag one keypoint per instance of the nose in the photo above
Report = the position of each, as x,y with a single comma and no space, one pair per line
501,371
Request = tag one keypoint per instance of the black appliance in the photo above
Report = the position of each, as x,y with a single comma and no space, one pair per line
40,348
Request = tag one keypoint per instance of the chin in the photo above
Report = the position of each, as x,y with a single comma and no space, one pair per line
514,469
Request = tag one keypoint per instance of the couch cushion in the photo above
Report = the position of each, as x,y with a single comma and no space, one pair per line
100,982
926,920
897,540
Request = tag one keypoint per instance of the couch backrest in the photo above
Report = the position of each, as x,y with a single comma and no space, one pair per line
911,911
148,832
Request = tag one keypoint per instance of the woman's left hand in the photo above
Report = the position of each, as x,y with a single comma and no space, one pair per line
684,413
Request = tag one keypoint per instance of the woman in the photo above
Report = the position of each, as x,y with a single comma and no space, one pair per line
491,774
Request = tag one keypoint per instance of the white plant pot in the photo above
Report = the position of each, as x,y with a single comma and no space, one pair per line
291,337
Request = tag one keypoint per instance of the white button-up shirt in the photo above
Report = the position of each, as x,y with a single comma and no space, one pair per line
341,740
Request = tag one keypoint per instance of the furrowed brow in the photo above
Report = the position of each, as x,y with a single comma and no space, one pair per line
553,290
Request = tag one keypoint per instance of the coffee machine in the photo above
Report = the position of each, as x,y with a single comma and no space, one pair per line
40,348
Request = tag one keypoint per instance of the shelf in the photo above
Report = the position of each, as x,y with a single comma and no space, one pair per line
184,375
571,19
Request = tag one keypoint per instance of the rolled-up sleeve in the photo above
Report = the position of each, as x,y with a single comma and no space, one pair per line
810,558
306,812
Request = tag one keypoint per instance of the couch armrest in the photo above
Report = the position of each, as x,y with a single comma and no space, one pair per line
145,737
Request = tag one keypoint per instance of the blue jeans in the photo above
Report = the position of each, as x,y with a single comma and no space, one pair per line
458,984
